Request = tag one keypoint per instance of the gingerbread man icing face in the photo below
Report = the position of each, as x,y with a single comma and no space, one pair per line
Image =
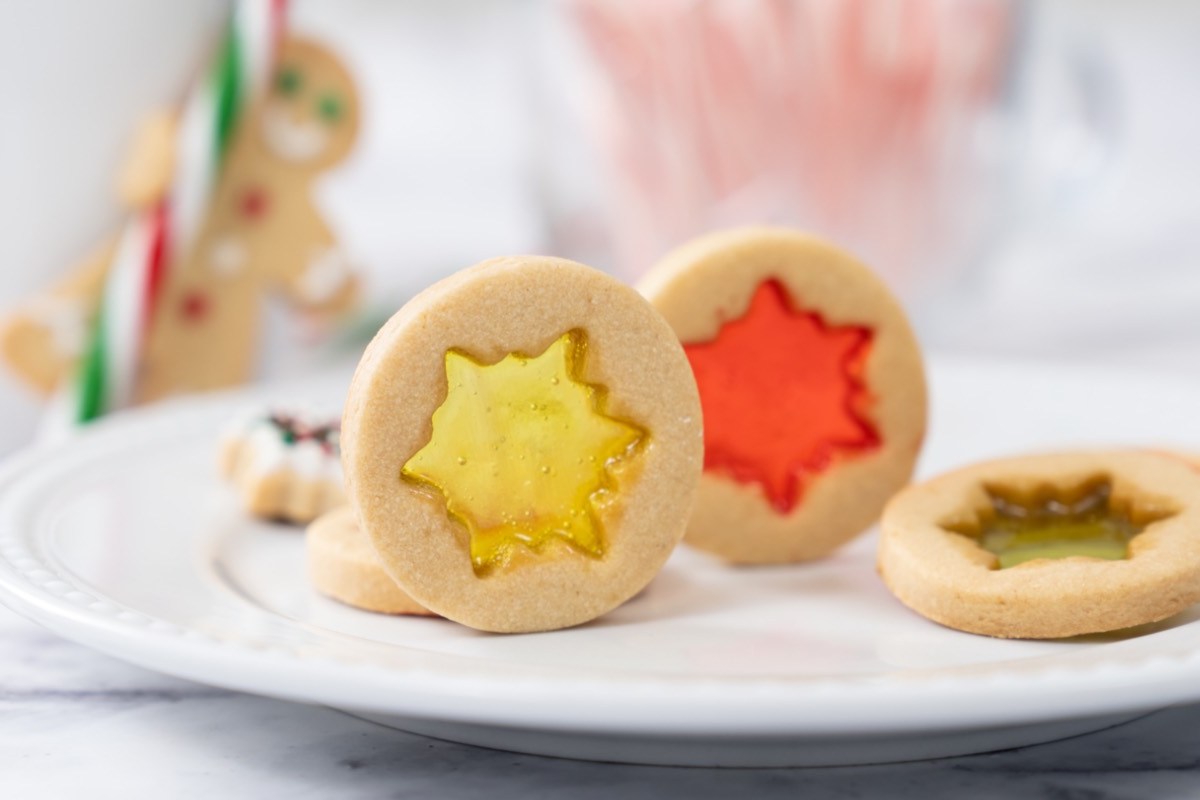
309,118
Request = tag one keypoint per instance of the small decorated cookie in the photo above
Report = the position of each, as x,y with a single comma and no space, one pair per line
522,444
343,565
1047,546
812,386
285,466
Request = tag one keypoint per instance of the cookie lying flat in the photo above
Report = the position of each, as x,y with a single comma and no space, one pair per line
522,442
284,466
1047,546
812,386
342,564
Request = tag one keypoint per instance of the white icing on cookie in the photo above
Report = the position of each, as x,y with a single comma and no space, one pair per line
292,139
310,460
65,318
228,256
264,452
326,275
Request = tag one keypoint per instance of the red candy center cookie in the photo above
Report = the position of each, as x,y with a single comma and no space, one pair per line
783,395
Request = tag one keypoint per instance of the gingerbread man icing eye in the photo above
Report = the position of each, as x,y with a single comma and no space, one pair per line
1047,546
522,443
812,387
330,107
288,81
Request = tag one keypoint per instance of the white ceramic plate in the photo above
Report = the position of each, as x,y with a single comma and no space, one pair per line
124,540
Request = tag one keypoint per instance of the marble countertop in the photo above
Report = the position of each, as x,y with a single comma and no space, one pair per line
77,723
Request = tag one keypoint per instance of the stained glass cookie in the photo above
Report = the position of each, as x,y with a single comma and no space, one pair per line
812,386
522,443
284,465
1047,546
342,564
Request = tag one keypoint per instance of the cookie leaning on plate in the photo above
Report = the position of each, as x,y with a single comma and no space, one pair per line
1047,546
522,443
343,565
812,386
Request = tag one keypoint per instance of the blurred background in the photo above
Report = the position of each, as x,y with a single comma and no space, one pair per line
1024,175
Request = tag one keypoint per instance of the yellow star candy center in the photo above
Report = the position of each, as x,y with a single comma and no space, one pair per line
522,452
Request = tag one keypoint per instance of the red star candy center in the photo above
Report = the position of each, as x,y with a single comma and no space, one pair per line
783,395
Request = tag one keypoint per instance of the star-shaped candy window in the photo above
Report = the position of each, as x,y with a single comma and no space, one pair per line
524,453
783,395
1053,522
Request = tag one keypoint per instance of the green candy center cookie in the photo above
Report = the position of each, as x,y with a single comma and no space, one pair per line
1057,523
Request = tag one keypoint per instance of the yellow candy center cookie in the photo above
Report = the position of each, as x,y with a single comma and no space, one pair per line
523,452
1054,523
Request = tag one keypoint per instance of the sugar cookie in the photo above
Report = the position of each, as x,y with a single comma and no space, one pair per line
285,466
522,443
812,386
342,564
1047,546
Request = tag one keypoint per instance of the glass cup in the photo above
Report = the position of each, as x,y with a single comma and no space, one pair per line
900,130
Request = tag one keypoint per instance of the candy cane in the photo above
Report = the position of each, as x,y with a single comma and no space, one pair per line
153,237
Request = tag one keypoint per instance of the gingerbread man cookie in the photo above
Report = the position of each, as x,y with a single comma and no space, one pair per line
812,386
221,215
522,443
263,232
1047,546
284,465
343,565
